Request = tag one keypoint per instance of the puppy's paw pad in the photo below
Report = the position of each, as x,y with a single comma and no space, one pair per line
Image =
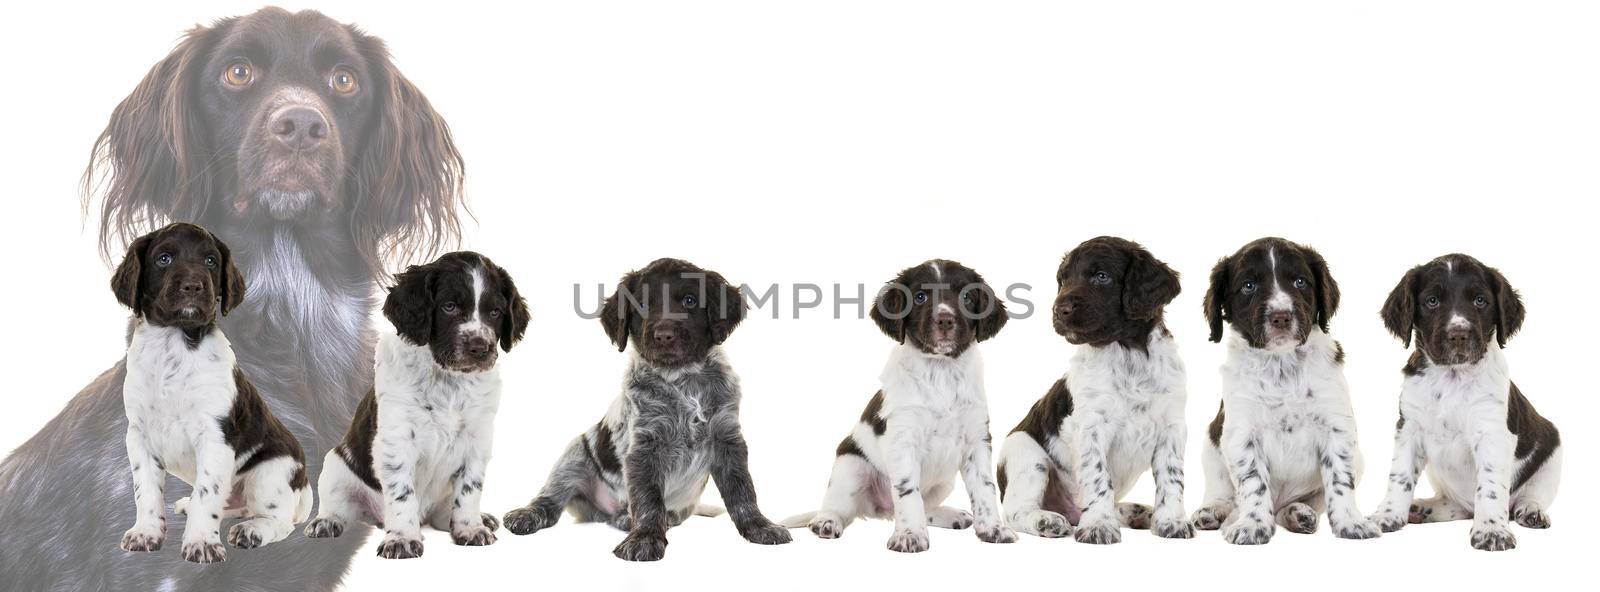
827,528
1098,534
527,520
397,547
1174,529
770,534
245,536
908,541
203,552
996,534
641,548
1493,539
1052,525
1533,519
1248,533
480,536
490,522
323,528
1207,519
141,541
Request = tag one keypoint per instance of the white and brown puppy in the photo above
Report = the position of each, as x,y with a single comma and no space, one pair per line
1283,445
417,449
1489,455
1117,413
191,411
675,426
930,420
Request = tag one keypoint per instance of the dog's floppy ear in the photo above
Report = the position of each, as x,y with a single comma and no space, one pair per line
1147,285
1217,297
1508,305
990,309
1400,310
231,288
407,182
152,161
514,323
890,309
725,303
617,313
409,305
1327,289
125,281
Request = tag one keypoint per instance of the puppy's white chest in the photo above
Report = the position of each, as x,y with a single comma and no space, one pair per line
173,394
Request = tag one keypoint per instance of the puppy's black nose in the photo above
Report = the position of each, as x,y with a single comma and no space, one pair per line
191,288
299,128
1457,337
1280,319
1064,308
479,349
663,336
944,321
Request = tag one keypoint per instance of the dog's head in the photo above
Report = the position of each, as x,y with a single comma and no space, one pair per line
1453,304
280,118
941,306
178,276
673,311
459,306
1110,290
1271,292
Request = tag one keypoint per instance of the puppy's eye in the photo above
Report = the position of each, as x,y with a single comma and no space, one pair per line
494,314
343,81
449,307
211,261
920,297
689,301
1300,283
1480,302
1431,302
1249,287
238,74
1102,278
163,260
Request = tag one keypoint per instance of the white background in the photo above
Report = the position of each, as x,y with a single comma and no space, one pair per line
842,141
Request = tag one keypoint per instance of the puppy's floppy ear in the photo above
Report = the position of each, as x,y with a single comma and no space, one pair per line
890,309
1400,310
515,320
152,160
1508,305
231,288
1147,285
125,281
617,313
991,310
409,305
725,304
1217,297
1327,289
407,182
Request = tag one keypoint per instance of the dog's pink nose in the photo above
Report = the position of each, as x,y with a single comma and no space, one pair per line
299,128
1281,319
664,337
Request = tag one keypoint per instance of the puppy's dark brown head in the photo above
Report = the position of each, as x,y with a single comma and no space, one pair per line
1453,304
1111,290
941,306
458,306
673,311
178,276
1271,292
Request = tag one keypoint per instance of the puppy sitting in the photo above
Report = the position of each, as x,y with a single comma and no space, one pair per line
191,411
1116,414
1489,455
643,468
930,420
1286,447
418,445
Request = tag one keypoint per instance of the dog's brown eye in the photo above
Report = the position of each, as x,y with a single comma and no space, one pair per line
163,260
449,307
1480,302
239,74
1431,302
343,82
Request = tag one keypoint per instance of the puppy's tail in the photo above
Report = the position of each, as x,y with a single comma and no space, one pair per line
709,510
798,520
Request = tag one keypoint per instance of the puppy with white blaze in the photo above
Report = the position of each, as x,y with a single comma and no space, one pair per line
1117,412
644,466
1489,455
930,420
418,447
191,411
1282,448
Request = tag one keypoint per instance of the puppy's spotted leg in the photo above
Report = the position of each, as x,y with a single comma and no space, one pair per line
1026,471
648,539
149,480
1167,470
269,502
1100,523
467,527
1436,509
948,517
1537,493
396,461
1218,507
1409,460
976,475
731,472
572,470
341,497
1491,506
905,479
846,496
1252,524
213,483
1339,484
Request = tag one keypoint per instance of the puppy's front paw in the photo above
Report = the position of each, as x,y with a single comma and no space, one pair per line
140,540
1493,539
323,528
1249,532
909,541
529,520
769,534
1531,518
244,536
641,547
490,522
203,552
1358,528
395,546
1103,533
827,528
1388,521
998,533
1174,529
473,536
